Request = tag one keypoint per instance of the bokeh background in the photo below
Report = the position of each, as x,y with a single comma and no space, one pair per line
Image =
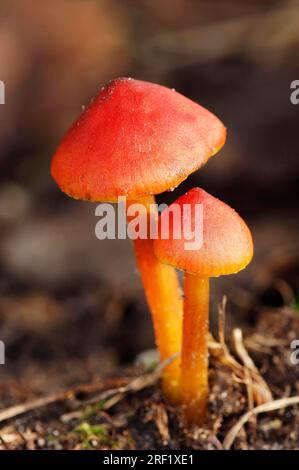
72,307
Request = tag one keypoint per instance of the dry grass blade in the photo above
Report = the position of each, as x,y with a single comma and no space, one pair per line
116,394
221,326
11,437
137,384
32,405
248,363
17,410
3,442
113,396
257,389
241,350
265,408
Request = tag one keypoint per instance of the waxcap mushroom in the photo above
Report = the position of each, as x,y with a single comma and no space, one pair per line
227,243
227,248
135,139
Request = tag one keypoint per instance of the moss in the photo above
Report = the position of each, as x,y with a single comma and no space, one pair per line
88,432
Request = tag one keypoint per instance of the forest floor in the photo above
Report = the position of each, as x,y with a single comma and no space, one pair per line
251,377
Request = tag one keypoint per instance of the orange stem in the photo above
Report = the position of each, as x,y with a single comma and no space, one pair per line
194,385
162,292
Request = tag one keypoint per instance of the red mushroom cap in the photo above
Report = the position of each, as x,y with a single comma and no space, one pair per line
227,243
135,139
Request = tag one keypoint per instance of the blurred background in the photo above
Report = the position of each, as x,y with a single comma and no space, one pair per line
72,307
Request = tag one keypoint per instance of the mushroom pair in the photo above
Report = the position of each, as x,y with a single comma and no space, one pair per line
137,139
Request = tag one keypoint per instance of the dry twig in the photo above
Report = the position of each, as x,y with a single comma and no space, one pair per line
115,394
257,389
265,408
260,393
17,410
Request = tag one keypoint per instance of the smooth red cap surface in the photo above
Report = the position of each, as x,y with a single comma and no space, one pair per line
227,243
136,138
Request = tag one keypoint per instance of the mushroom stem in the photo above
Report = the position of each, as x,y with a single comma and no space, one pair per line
163,296
194,384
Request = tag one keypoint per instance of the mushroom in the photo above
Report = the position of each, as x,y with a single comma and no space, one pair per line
137,139
226,249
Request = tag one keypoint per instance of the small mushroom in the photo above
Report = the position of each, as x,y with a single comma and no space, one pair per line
137,139
226,249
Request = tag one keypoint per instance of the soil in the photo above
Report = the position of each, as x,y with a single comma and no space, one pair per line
128,411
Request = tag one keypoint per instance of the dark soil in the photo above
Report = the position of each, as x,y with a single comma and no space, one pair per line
76,340
87,419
